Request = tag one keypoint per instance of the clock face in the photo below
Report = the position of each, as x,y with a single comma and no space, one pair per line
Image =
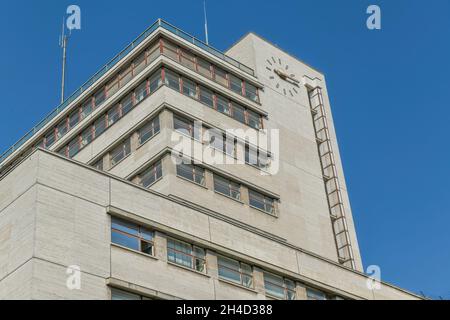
284,80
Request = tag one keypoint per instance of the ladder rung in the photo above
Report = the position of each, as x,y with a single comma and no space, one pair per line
340,232
348,245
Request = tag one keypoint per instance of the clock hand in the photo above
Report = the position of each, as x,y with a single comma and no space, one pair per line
285,76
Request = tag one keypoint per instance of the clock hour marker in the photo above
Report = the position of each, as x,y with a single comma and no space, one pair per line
279,60
291,93
287,67
272,77
284,90
295,90
268,61
273,59
268,69
278,85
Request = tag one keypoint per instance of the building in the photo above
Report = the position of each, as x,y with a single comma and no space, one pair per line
93,190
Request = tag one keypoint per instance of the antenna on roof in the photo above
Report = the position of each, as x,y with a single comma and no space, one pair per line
206,23
63,44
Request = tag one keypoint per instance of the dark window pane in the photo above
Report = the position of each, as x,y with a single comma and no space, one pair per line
254,119
235,84
186,171
172,80
99,97
125,226
100,126
141,92
74,118
189,88
251,92
127,104
113,115
155,81
223,105
124,240
86,109
146,247
206,96
238,113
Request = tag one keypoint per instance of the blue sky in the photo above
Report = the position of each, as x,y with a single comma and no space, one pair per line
390,92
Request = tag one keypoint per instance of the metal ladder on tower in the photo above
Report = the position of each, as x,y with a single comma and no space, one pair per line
331,179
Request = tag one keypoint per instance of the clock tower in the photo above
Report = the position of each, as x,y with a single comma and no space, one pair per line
311,177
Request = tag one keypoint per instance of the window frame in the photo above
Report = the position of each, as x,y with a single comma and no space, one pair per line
194,258
125,145
195,174
155,171
155,129
284,286
240,272
140,238
233,188
265,199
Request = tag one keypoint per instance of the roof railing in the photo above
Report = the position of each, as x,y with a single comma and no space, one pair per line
159,23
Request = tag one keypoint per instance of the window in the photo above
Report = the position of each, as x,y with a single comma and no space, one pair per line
148,130
153,53
235,271
112,87
254,119
113,115
151,175
86,137
127,104
206,96
256,157
74,118
132,236
262,202
204,67
192,173
120,152
187,59
126,75
50,139
223,105
139,64
186,126
313,294
98,165
238,112
186,255
74,147
172,80
279,287
120,295
170,50
235,84
141,92
86,109
217,140
189,88
220,76
227,187
251,92
99,97
155,81
62,128
251,155
100,126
